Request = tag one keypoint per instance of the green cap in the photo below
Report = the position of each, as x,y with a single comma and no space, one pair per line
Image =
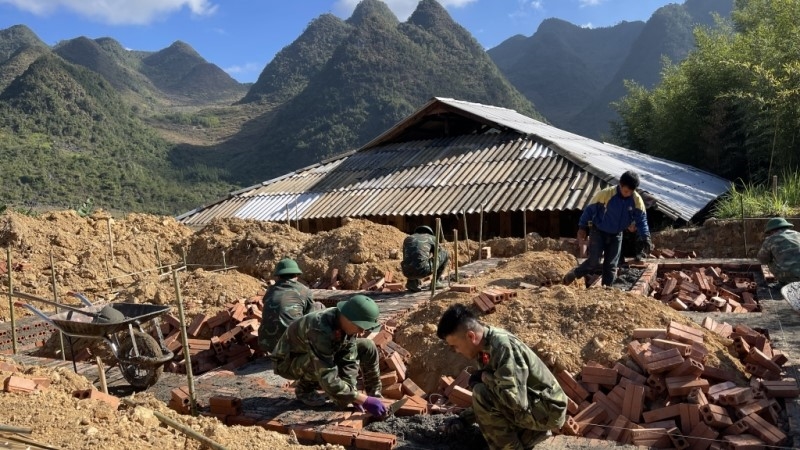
777,223
423,229
287,266
361,310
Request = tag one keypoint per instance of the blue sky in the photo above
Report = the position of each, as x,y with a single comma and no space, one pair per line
242,36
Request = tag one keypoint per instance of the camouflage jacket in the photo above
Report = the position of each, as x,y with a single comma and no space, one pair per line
333,354
781,252
418,255
521,382
285,302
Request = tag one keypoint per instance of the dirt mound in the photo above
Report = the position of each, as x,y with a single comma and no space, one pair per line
505,247
81,250
91,424
252,246
566,325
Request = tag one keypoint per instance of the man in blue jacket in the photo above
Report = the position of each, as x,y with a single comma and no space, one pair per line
611,211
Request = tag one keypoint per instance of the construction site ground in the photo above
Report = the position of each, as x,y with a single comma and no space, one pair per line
566,325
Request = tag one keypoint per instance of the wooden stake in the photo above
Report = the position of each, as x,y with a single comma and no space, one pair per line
185,340
480,236
435,265
101,372
55,300
525,229
11,301
466,232
110,239
455,253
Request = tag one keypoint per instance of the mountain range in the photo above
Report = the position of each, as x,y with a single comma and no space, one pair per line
166,131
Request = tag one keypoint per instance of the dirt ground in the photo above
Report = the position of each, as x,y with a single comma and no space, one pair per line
566,325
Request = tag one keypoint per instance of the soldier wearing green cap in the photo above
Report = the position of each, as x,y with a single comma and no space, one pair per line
418,258
781,250
322,350
285,301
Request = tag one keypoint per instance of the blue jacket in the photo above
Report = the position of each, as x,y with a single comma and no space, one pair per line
612,213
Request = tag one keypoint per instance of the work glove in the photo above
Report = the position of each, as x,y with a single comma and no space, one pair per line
374,406
581,234
645,246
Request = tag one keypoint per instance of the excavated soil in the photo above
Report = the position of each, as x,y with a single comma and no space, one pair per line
566,325
62,421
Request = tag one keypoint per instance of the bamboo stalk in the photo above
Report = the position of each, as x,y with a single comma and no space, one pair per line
55,300
110,239
435,264
455,254
466,233
185,339
480,236
525,229
12,429
101,372
11,301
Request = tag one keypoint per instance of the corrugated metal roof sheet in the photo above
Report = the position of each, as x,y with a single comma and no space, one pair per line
527,165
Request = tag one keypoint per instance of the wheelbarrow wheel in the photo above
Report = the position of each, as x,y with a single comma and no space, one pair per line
140,376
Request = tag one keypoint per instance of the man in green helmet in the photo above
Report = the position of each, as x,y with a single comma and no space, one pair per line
322,350
781,250
285,301
418,258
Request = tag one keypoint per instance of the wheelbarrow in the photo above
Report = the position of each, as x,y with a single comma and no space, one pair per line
140,356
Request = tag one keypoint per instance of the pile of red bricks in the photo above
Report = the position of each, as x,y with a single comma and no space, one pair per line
669,253
233,337
487,298
706,289
666,397
383,284
26,384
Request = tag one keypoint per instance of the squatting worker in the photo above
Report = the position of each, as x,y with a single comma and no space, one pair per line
781,250
609,213
516,400
418,258
322,350
284,302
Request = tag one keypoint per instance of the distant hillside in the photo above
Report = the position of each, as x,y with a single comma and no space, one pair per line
351,91
573,74
66,135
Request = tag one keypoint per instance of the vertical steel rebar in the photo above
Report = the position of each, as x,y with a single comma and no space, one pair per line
11,302
466,232
158,258
455,253
435,263
185,339
525,229
55,299
480,235
744,227
110,239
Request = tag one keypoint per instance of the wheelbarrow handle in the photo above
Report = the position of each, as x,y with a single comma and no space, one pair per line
58,305
80,297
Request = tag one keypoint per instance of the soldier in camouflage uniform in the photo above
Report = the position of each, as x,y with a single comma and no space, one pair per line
286,301
516,400
418,258
781,250
321,349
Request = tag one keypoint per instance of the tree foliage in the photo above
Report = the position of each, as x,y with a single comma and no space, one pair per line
733,106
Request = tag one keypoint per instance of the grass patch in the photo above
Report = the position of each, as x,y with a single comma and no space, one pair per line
760,201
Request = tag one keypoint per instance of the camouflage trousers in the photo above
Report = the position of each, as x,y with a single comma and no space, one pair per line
300,367
498,424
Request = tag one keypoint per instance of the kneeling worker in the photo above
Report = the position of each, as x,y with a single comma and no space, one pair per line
321,349
285,301
418,259
516,400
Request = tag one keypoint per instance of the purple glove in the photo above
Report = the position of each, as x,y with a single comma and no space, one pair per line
374,406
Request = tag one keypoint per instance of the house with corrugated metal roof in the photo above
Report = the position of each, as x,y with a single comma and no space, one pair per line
462,161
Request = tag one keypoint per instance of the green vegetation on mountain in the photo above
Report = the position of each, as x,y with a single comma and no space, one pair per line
733,105
381,71
573,74
66,135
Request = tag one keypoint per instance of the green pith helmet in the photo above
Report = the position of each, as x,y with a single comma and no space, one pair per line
776,223
422,229
361,310
287,266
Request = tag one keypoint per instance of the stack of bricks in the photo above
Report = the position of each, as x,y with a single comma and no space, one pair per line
394,380
753,348
228,339
670,253
20,383
489,297
706,289
454,393
383,284
666,397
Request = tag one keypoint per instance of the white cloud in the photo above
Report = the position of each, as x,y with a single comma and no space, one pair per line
587,25
525,7
537,4
117,12
244,68
585,3
401,8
